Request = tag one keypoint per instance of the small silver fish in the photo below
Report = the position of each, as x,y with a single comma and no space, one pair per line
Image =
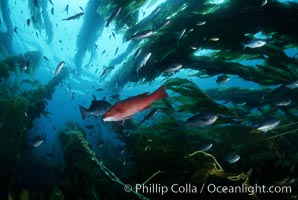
264,3
59,67
205,147
38,140
292,85
232,157
172,68
268,124
154,12
201,23
162,24
141,35
254,43
181,35
222,79
214,39
137,53
115,14
143,62
284,101
201,119
106,71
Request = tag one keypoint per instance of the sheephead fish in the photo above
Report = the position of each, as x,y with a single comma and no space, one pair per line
127,108
59,67
254,43
96,108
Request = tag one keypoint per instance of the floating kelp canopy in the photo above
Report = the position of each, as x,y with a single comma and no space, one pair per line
197,19
128,15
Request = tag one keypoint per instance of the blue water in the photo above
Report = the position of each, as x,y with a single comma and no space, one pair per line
80,88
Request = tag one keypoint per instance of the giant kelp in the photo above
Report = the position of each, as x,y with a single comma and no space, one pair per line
128,15
83,166
27,62
277,67
6,47
40,17
171,147
18,111
91,29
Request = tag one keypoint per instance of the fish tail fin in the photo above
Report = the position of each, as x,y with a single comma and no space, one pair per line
84,112
160,93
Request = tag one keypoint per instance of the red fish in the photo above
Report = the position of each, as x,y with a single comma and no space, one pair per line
127,108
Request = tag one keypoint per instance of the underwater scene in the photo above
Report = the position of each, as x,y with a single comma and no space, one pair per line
148,99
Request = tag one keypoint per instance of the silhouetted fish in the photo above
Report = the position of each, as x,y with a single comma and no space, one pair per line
51,2
106,71
148,116
35,2
99,89
66,9
115,14
115,96
76,16
46,58
116,51
28,22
